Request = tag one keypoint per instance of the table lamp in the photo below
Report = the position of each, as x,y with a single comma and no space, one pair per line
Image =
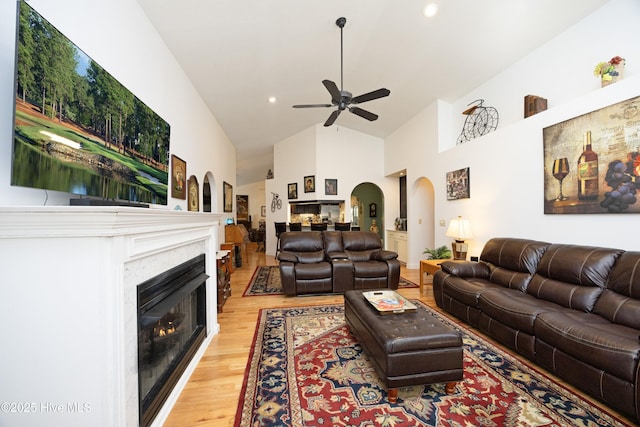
459,229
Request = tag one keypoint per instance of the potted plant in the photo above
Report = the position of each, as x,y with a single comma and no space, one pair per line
442,252
610,72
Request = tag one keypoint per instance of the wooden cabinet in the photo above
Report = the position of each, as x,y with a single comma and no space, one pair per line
397,242
223,261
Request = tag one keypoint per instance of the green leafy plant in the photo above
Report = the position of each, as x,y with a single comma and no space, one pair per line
442,252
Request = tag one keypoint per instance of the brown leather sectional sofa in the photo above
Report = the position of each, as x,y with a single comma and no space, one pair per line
316,262
574,310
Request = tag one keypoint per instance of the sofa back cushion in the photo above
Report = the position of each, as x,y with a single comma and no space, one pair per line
620,302
307,246
359,245
333,243
511,261
573,276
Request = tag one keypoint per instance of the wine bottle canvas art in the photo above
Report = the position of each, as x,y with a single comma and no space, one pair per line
592,162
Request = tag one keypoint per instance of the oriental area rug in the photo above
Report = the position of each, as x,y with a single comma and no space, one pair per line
306,369
266,281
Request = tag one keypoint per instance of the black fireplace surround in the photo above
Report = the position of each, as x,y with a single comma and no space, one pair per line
171,326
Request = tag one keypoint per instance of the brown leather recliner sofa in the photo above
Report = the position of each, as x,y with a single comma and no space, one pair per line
574,310
315,262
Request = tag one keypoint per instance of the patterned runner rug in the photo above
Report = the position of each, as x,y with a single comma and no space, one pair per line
306,369
266,281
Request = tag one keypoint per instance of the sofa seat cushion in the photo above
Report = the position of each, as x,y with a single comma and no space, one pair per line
513,308
318,270
466,291
592,339
370,269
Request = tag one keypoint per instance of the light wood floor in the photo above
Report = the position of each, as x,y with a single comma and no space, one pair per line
211,396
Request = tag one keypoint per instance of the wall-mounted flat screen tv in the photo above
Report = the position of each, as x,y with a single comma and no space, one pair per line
77,129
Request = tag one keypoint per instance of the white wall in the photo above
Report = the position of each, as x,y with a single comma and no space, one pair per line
118,36
336,152
506,166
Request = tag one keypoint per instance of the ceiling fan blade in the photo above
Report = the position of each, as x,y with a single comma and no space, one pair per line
363,113
333,90
380,93
332,118
312,105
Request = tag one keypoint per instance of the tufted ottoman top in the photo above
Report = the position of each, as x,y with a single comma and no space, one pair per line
404,332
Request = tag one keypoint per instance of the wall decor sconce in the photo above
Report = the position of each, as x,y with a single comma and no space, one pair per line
459,229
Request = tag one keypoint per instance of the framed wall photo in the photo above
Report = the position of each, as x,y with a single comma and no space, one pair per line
458,184
242,207
193,201
592,162
292,190
227,192
373,210
178,178
309,184
331,187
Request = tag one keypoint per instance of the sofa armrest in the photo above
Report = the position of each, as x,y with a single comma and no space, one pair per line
466,268
288,257
383,255
288,278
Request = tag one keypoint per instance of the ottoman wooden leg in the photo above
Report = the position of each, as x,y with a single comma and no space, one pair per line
450,387
392,395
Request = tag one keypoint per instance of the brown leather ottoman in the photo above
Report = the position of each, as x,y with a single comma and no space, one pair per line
405,349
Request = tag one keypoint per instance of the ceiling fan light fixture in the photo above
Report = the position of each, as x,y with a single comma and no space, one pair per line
343,99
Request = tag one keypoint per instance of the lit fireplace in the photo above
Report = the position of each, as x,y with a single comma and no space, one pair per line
171,326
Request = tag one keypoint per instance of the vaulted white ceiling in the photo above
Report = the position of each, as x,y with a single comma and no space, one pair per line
238,53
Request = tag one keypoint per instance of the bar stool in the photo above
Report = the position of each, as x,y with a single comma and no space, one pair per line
342,226
295,226
318,226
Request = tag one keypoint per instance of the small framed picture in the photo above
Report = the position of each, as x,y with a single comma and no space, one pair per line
309,184
331,187
193,202
242,207
458,184
227,192
292,190
178,178
373,210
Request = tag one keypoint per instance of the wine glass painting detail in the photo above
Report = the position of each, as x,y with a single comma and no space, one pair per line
560,171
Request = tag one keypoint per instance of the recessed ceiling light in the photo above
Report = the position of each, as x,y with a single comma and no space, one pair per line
272,99
430,10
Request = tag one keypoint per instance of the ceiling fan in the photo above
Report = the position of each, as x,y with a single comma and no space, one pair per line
345,100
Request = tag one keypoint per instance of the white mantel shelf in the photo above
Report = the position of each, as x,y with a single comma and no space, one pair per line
95,220
68,295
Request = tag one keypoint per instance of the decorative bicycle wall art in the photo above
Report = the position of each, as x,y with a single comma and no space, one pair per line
480,121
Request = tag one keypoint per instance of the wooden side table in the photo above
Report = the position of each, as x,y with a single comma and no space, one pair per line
429,266
223,262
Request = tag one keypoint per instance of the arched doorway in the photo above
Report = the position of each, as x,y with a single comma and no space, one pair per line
422,222
367,208
208,197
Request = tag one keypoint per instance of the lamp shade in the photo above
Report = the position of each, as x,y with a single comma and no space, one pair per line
459,229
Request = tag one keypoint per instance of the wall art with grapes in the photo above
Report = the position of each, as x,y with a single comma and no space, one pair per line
592,162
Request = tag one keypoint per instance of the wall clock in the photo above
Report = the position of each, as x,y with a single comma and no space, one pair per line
480,121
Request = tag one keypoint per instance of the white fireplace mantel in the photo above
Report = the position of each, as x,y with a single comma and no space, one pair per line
68,295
